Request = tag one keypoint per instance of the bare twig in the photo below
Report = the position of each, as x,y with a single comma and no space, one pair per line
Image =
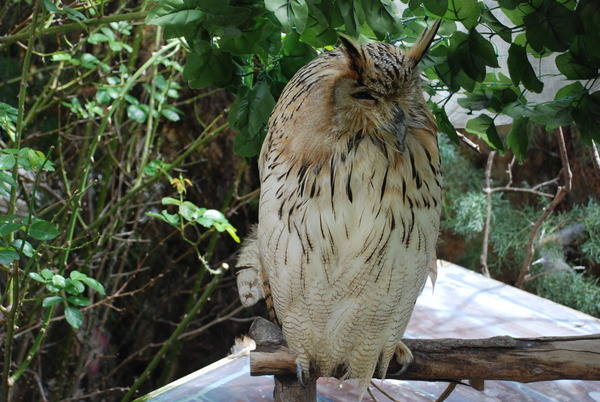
383,392
595,158
567,178
214,322
488,216
97,393
469,143
520,190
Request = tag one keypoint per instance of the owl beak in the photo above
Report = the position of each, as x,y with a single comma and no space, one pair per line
398,127
420,48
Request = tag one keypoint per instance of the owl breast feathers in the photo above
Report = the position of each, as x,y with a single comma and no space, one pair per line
349,208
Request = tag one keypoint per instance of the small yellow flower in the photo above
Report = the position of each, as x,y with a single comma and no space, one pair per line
180,184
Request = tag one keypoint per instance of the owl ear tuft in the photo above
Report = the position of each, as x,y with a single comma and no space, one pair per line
354,53
418,50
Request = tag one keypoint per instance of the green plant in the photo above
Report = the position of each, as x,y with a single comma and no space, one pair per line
240,46
67,291
80,144
189,214
571,289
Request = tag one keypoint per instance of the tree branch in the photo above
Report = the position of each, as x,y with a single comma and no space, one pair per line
560,194
498,358
61,29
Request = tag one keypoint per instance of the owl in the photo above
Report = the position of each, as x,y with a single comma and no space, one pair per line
349,209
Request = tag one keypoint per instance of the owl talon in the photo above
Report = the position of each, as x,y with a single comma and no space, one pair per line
404,357
300,375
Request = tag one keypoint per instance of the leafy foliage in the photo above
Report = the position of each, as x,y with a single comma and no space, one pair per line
239,46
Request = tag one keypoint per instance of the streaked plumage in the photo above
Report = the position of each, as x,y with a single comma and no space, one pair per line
349,208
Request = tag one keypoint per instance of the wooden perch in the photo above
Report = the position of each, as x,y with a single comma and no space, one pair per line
497,358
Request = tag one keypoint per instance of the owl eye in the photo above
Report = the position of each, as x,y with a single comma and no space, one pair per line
363,95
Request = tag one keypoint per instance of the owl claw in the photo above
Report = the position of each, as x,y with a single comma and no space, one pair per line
404,357
300,375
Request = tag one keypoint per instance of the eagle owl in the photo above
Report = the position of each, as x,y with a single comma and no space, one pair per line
349,208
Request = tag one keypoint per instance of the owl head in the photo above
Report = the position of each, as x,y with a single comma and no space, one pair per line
383,70
381,89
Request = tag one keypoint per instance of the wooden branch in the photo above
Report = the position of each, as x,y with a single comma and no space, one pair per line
498,358
560,194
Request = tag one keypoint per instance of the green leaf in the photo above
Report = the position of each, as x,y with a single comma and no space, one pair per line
7,161
491,21
170,201
36,158
247,39
465,11
589,12
520,69
248,145
473,53
232,232
51,7
190,211
102,96
251,108
289,13
43,230
74,14
171,113
437,7
318,31
517,138
88,60
79,301
6,178
6,228
381,17
587,117
94,284
76,275
352,14
74,287
8,255
97,37
178,17
444,124
46,273
508,4
51,301
7,218
219,14
573,70
208,66
73,316
59,281
136,113
295,54
37,277
52,289
172,219
155,167
483,126
553,114
571,91
552,26
28,249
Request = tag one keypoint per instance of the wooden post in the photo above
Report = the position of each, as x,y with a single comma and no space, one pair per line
269,338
